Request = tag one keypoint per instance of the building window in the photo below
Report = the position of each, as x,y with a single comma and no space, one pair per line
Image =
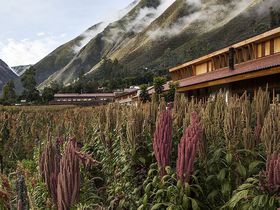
277,45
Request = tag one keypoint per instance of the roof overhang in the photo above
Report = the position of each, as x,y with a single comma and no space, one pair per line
235,78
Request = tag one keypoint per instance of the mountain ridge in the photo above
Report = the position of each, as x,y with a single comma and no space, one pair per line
157,35
6,74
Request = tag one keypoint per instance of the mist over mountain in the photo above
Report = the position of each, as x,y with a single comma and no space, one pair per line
155,35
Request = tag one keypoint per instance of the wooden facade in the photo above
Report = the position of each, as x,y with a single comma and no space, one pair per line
253,58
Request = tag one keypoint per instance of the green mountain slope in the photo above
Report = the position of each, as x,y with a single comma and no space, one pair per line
159,34
63,55
6,74
104,44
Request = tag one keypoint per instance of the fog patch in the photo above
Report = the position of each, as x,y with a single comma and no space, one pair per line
140,22
208,15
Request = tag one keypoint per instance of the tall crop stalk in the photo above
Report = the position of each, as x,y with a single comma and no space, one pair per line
134,129
270,177
270,135
62,174
261,105
4,137
162,143
49,167
219,116
22,195
162,105
233,124
153,112
69,177
179,110
249,141
187,148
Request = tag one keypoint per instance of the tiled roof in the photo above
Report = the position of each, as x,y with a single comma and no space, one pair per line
85,95
246,67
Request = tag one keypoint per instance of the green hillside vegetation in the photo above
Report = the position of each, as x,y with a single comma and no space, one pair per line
138,52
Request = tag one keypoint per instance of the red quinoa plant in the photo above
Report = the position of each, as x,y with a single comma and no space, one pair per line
270,177
62,174
49,167
261,192
162,143
68,179
187,148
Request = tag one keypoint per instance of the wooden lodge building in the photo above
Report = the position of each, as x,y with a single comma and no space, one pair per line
87,99
247,65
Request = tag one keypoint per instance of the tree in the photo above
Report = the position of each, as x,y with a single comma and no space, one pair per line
30,92
158,84
9,94
144,95
48,94
169,97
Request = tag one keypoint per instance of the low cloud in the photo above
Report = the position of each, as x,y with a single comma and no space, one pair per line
212,14
147,15
141,21
267,4
27,51
88,35
41,34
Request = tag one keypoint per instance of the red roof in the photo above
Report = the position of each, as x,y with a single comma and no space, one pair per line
85,95
245,67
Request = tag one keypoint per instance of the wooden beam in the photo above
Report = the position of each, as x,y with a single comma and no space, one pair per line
240,77
251,52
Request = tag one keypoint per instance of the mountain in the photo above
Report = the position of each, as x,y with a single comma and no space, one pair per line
19,70
6,74
64,54
155,35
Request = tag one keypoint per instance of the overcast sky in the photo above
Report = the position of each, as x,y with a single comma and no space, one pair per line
30,29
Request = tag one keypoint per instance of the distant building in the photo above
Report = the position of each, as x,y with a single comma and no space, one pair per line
87,99
128,96
247,65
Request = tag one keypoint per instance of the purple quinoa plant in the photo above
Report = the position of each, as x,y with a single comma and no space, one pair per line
188,147
62,173
270,177
49,167
162,143
69,182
